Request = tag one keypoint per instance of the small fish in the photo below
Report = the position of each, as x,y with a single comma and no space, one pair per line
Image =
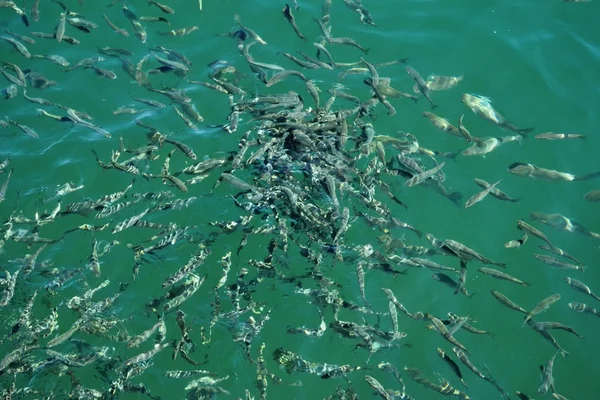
441,328
361,282
496,192
517,243
421,85
440,82
249,31
547,378
524,226
443,124
476,198
583,308
463,357
287,13
60,30
461,128
535,172
349,42
27,130
115,27
163,8
453,365
482,106
419,178
35,13
507,302
4,187
18,45
501,275
559,264
542,306
580,287
559,136
554,325
559,252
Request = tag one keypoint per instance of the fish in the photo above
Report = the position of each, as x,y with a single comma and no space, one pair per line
485,146
287,13
4,187
18,45
443,124
542,306
120,31
162,7
501,275
60,30
547,378
419,178
560,252
517,242
559,264
507,302
554,325
560,136
482,106
441,82
347,41
421,85
592,195
465,360
583,308
35,13
535,172
580,287
27,130
375,385
476,198
453,365
524,226
462,280
441,328
559,221
496,192
249,31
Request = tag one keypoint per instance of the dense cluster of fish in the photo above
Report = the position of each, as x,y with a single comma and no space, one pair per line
307,169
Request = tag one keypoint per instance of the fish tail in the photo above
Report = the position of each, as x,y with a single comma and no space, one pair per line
525,131
588,176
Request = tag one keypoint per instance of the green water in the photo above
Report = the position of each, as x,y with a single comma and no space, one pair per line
536,60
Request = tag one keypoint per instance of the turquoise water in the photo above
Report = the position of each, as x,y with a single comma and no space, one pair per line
537,61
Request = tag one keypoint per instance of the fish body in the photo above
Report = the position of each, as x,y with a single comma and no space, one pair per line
485,146
559,264
443,124
559,136
535,172
583,308
476,198
482,106
580,287
496,192
419,178
501,275
542,306
507,302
